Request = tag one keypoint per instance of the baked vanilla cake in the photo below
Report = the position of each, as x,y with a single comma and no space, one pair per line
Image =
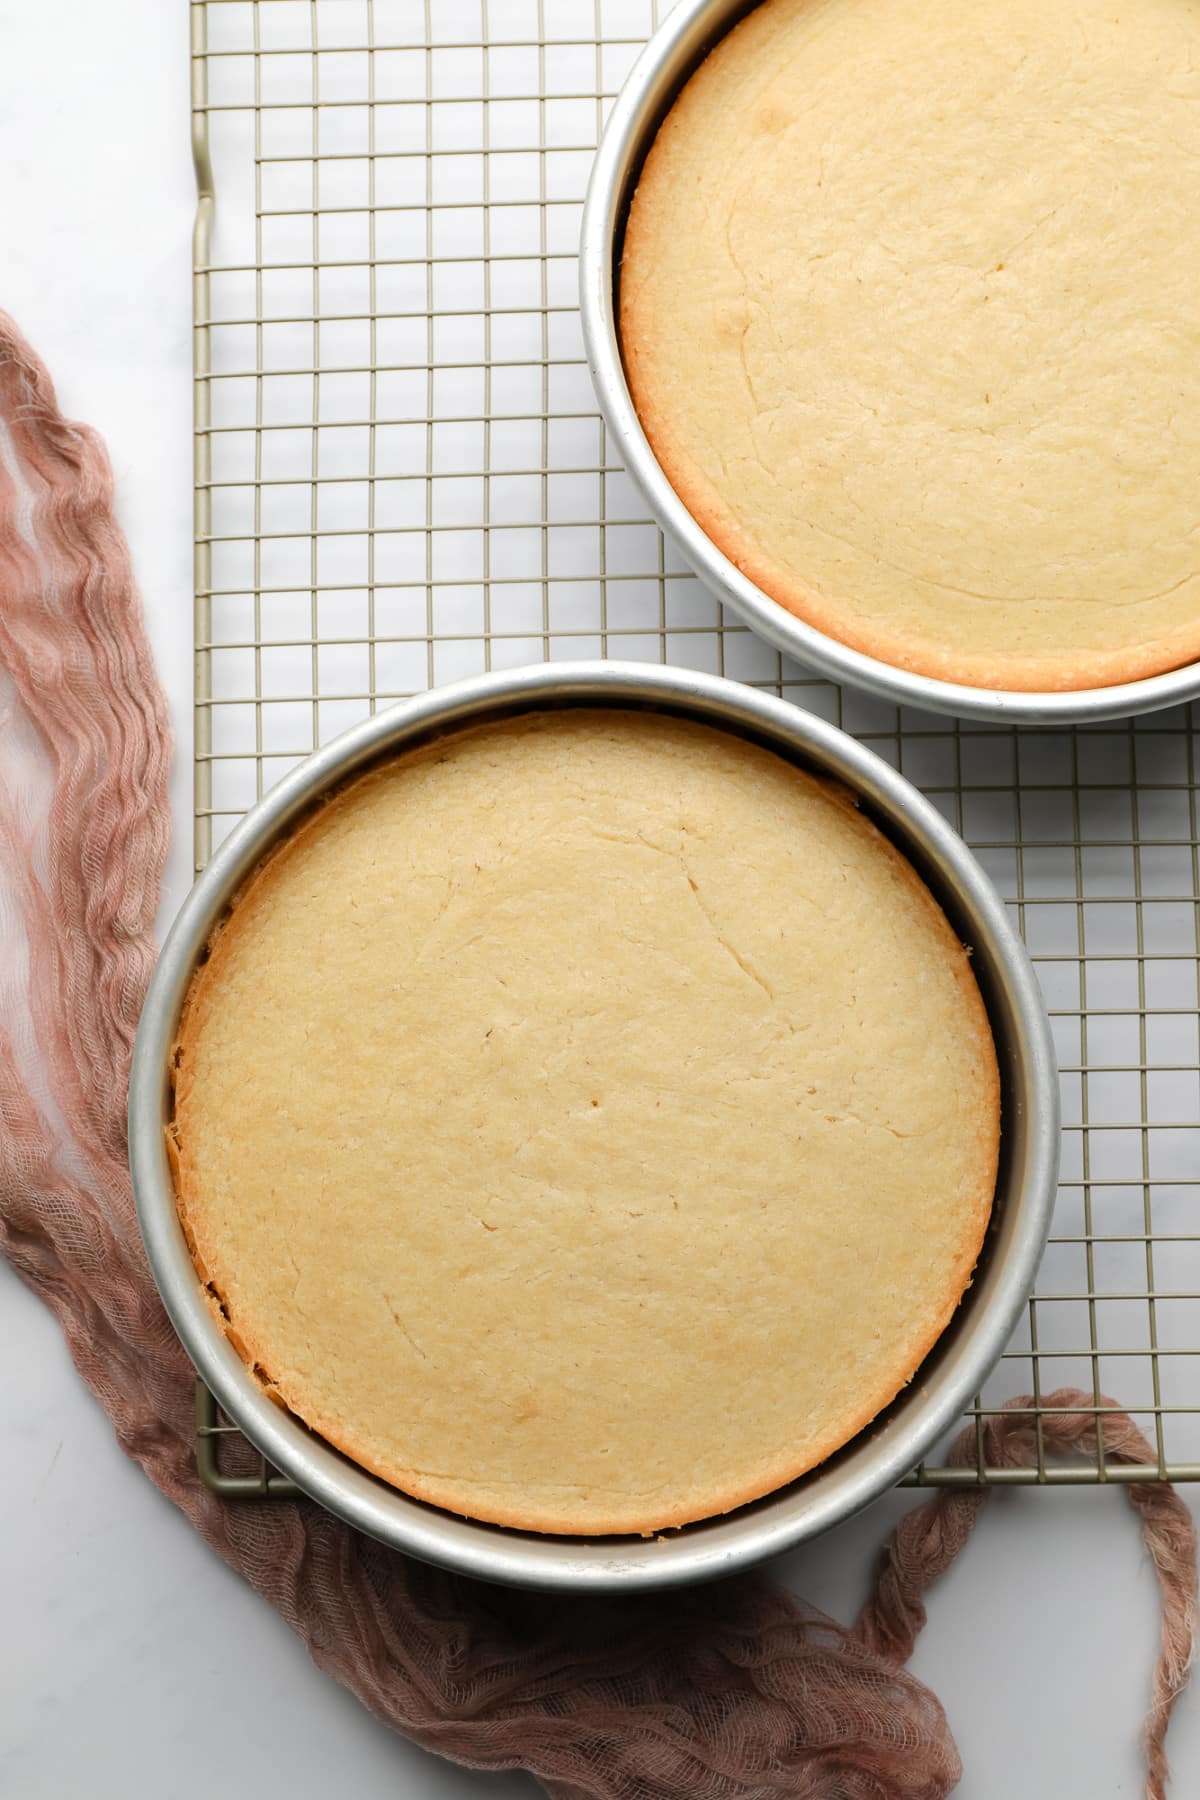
909,309
586,1122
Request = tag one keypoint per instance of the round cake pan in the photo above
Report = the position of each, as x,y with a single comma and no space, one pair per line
676,49
944,1384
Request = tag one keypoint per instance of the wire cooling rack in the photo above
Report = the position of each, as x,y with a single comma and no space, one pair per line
401,478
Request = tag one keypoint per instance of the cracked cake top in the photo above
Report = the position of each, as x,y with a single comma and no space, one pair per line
587,1122
909,312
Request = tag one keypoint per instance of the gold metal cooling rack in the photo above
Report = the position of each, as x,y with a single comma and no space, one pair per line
401,478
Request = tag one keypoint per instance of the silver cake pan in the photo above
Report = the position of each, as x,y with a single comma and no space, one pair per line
945,1383
675,50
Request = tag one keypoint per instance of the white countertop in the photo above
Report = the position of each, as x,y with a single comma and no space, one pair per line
131,1661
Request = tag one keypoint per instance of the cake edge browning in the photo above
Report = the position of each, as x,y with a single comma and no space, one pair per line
700,496
497,1507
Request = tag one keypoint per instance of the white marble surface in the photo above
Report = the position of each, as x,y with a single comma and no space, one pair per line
131,1662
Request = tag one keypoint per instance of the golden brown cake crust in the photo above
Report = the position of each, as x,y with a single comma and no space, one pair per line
587,1123
908,312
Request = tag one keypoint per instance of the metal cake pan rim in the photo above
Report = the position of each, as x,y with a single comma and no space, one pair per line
674,51
943,1386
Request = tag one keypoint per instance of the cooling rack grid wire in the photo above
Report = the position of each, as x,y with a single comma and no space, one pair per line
401,478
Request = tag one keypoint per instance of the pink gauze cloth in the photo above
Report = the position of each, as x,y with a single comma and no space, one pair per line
737,1692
